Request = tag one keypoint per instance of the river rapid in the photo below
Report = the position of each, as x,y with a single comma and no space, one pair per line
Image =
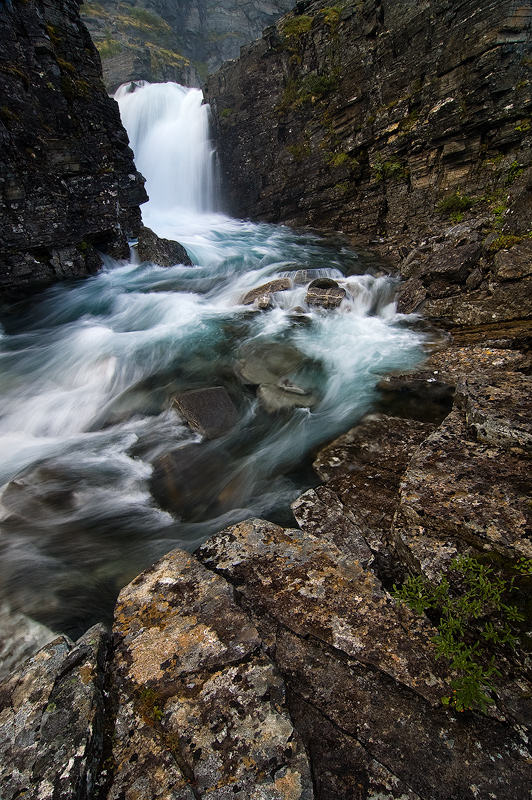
89,370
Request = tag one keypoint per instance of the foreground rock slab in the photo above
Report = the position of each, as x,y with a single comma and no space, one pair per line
51,721
364,706
202,710
210,410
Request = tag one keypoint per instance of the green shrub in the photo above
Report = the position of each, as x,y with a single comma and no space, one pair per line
474,614
454,202
295,27
392,170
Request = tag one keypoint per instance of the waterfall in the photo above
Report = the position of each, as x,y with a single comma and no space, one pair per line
168,128
90,372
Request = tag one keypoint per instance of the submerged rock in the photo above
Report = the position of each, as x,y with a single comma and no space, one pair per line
279,398
164,252
210,411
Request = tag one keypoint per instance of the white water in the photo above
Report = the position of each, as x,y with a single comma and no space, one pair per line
88,372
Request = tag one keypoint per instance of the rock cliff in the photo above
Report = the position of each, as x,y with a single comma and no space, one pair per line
68,185
181,41
363,117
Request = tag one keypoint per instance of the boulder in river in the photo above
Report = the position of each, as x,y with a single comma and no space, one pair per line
210,410
267,289
164,252
325,293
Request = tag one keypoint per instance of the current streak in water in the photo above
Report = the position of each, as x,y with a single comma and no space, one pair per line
88,372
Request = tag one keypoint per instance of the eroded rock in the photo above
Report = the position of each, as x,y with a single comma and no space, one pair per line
266,290
51,720
164,252
324,293
188,663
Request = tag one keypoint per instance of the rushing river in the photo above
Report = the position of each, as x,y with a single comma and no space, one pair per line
89,370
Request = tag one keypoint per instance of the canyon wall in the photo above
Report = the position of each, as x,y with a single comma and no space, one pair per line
160,40
68,184
363,117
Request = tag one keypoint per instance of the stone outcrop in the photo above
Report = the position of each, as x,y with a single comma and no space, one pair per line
379,119
52,720
68,185
164,252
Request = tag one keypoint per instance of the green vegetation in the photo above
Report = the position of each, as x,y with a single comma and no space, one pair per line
504,242
474,615
108,48
392,170
295,27
331,16
226,112
515,171
299,151
454,203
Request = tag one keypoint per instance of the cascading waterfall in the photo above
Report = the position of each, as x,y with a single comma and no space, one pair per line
89,373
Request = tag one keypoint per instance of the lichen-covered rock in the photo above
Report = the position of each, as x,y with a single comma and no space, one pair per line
459,489
69,186
310,587
51,721
201,707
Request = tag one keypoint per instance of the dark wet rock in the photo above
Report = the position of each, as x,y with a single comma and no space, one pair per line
267,289
193,481
202,708
310,587
210,411
69,184
164,252
267,362
51,720
20,638
324,293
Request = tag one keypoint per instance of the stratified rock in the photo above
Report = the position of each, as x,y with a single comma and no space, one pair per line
459,491
278,285
164,252
69,186
324,293
210,411
310,587
189,667
51,721
514,263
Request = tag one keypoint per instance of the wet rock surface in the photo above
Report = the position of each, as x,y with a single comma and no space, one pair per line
209,411
69,184
163,252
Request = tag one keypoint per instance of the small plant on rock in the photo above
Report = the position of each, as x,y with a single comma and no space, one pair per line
474,616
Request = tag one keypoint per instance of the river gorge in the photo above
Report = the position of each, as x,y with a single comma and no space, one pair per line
295,441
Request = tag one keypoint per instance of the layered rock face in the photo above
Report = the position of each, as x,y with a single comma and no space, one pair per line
363,118
68,185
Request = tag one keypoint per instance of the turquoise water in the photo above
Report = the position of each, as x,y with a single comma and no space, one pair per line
88,372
